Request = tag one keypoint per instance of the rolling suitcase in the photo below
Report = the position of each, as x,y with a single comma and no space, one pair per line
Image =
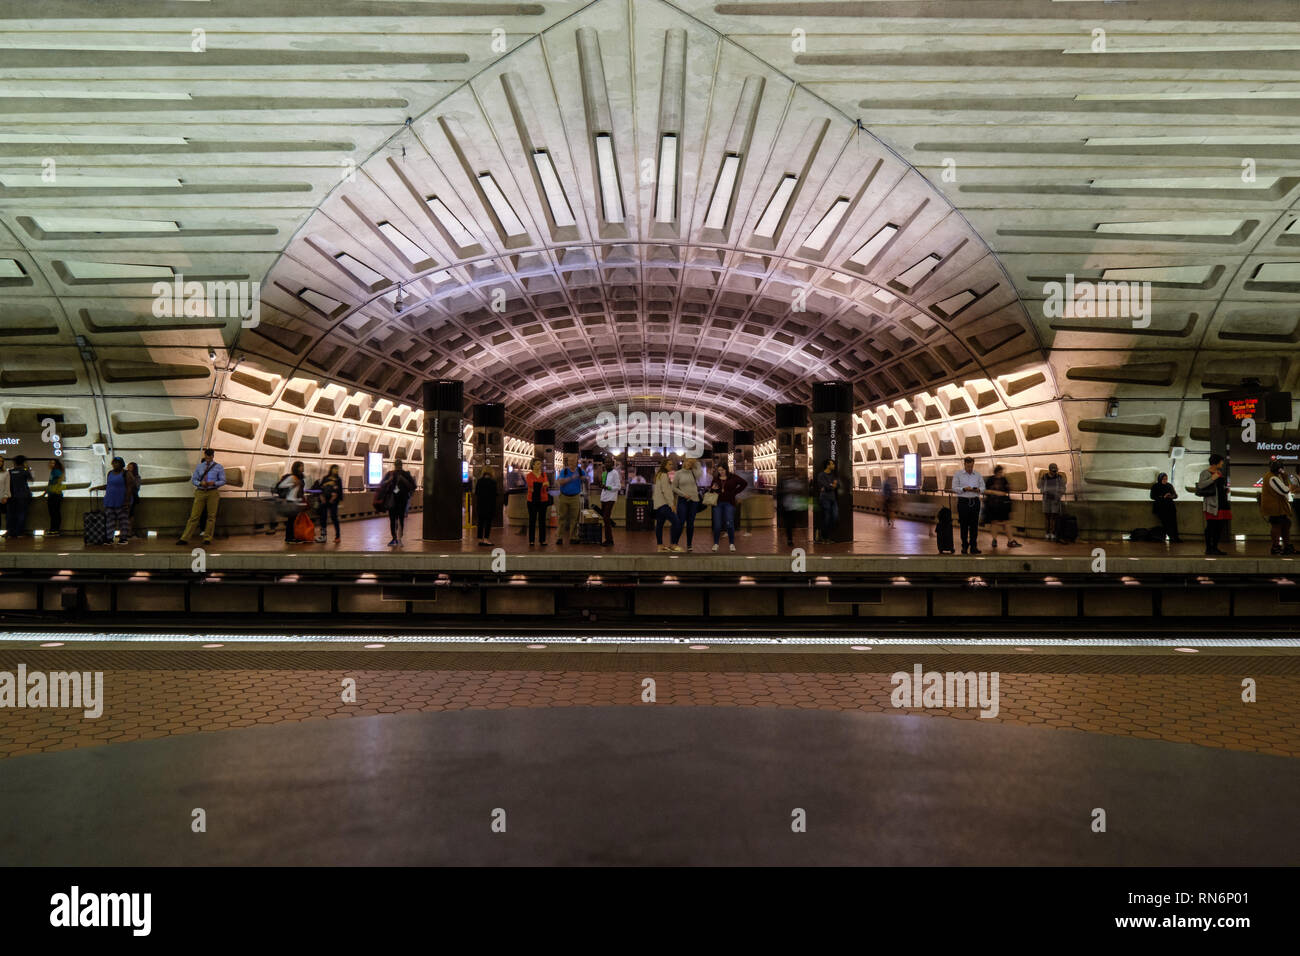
1067,529
943,531
94,528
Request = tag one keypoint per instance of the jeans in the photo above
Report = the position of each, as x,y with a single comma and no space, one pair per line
968,516
329,512
537,520
724,519
686,511
830,515
55,505
665,513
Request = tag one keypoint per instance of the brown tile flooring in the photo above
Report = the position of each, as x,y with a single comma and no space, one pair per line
158,693
871,536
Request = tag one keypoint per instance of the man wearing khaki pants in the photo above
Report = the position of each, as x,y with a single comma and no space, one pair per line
207,480
567,506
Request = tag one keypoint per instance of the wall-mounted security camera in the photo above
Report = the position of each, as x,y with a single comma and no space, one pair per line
1112,408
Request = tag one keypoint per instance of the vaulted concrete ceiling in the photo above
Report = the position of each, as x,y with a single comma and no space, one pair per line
1001,147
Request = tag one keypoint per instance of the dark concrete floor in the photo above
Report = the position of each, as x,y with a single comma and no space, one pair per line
649,785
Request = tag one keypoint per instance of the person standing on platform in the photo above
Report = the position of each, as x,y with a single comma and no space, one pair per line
539,502
294,486
665,505
969,489
997,507
1052,487
568,505
1293,481
485,503
1275,509
117,502
207,480
828,502
1162,506
793,506
396,490
610,486
1212,486
331,496
136,482
19,495
726,486
54,488
887,492
687,485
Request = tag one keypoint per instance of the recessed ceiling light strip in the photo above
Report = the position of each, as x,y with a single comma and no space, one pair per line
600,125
672,113
722,203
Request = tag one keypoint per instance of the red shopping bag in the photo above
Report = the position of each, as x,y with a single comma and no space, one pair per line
304,529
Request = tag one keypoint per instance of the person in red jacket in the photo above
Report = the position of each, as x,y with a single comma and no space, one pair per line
539,501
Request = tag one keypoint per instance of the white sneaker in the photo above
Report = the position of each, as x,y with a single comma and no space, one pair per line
715,548
733,547
1051,537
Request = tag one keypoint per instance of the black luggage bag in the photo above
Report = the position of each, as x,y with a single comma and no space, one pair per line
943,531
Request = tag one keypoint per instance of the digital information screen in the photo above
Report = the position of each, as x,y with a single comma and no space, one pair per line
374,468
911,471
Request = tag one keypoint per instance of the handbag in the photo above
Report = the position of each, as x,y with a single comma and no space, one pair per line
710,499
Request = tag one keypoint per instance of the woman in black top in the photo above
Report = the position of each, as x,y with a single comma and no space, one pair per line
997,506
1162,504
485,503
331,494
395,492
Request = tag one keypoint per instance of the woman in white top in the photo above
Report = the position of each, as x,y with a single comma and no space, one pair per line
687,485
665,504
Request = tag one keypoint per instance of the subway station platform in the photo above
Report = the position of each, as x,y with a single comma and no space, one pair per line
886,572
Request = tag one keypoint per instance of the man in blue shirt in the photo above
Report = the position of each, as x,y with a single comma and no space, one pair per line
969,489
567,505
207,480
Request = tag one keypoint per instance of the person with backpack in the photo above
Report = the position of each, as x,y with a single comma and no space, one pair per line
54,488
207,479
394,496
19,494
1275,508
568,505
1162,506
330,489
292,489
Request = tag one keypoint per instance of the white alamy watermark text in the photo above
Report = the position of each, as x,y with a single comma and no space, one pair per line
951,690
637,429
212,300
1098,300
58,689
